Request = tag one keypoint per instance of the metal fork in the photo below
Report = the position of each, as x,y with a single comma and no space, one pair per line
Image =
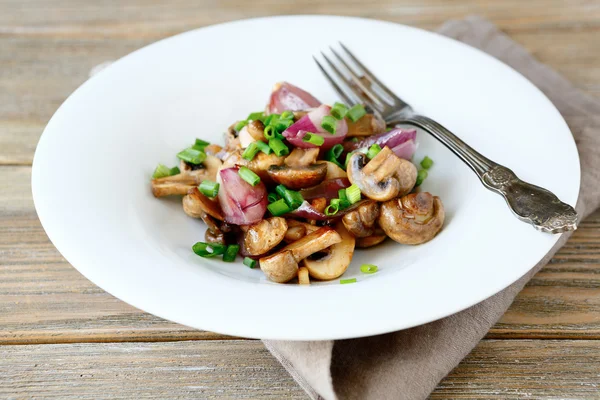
530,203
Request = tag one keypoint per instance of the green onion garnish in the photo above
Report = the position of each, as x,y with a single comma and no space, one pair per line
238,127
356,112
354,140
427,162
174,171
250,151
339,111
334,153
282,124
161,171
231,253
278,147
332,208
262,146
270,132
192,156
208,250
279,208
353,193
287,115
249,262
272,197
329,124
293,199
368,268
314,139
281,189
345,281
342,194
373,151
256,116
246,174
421,175
200,145
209,188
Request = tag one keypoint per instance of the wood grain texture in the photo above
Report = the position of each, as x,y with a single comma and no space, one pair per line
45,300
49,47
244,369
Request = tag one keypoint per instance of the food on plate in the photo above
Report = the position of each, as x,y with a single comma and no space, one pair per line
297,188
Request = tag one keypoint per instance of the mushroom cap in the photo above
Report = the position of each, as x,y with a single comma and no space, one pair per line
412,219
263,236
298,177
360,222
195,203
333,171
279,267
372,188
337,259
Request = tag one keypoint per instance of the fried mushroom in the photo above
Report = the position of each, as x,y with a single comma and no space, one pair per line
296,178
265,235
360,222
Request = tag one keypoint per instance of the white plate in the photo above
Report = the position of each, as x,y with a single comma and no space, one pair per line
93,163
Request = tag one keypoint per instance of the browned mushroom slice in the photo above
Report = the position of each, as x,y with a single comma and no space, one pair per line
232,141
366,126
195,203
294,233
308,227
302,157
360,222
212,149
259,165
384,177
283,265
174,185
334,172
252,132
298,177
413,219
336,259
377,237
263,236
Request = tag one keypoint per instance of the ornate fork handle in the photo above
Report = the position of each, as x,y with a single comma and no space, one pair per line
528,202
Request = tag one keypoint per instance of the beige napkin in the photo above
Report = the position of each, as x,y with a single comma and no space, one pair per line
409,364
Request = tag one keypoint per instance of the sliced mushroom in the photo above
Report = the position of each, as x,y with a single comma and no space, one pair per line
178,184
259,165
413,219
360,222
384,177
309,227
366,126
333,171
283,265
195,204
337,259
212,149
294,233
298,177
377,237
251,133
303,278
302,157
263,236
232,141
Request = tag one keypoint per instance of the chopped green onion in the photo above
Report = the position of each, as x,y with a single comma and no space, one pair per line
208,250
314,139
270,132
342,194
278,147
200,145
368,268
282,124
332,208
270,118
272,197
256,116
279,208
356,112
421,175
339,110
293,199
353,193
427,162
249,262
238,127
161,171
354,140
334,153
209,188
348,155
250,151
345,281
262,146
373,151
281,189
249,176
329,124
192,156
231,253
389,128
287,115
174,171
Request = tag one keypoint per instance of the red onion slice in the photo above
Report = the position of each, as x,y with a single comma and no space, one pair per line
392,138
287,97
405,150
307,211
328,189
311,122
242,203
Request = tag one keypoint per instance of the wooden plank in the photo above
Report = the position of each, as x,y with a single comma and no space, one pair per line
46,55
44,300
244,369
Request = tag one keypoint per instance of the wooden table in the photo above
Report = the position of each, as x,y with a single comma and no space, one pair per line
61,336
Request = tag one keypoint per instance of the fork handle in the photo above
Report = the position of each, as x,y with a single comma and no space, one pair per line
530,203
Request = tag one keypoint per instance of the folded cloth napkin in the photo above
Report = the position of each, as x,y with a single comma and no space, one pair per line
409,364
